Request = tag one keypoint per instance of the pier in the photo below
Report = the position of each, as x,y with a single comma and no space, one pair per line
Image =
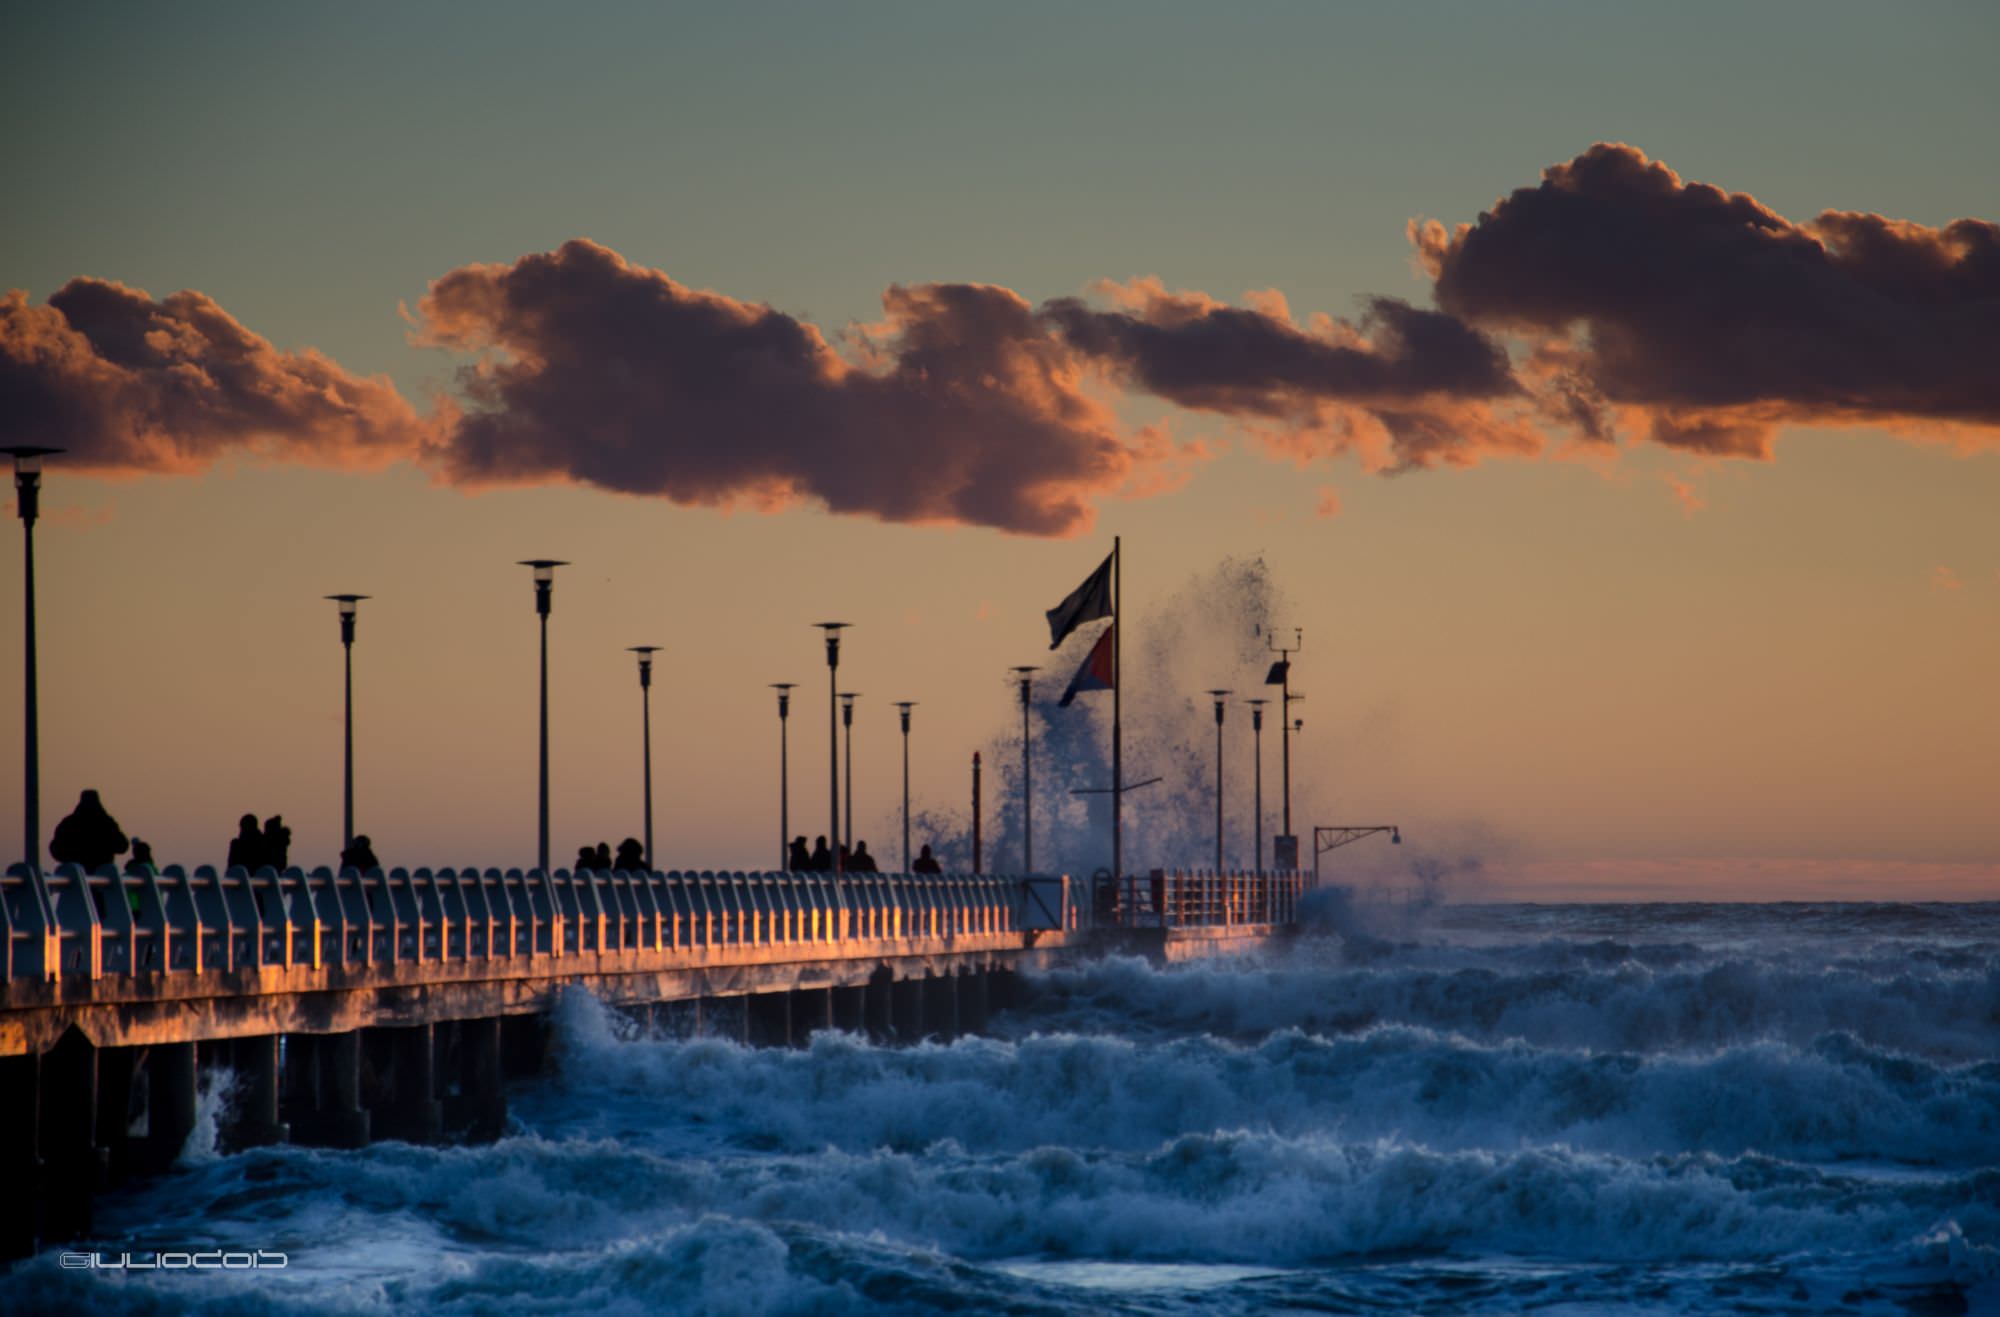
353,1006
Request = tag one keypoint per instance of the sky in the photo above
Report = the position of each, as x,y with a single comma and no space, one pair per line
1605,392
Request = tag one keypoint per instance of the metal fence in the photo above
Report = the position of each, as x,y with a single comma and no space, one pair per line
68,924
1204,898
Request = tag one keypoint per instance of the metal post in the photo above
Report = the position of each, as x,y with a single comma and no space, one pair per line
832,630
1257,753
1026,678
903,707
847,721
27,502
1117,711
976,870
1218,694
347,604
784,689
544,569
645,653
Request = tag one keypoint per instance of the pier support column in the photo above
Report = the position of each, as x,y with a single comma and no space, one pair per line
908,1009
20,1155
878,1007
972,1001
483,1097
118,1069
256,1123
171,1093
812,1010
850,1006
73,1164
330,1114
410,1110
524,1045
768,1019
941,1006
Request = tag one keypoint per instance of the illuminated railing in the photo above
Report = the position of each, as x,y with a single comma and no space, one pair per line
70,925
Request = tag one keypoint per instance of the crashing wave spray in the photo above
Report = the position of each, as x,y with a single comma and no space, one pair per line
1210,632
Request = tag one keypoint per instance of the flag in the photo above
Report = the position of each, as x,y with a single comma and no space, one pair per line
1096,672
1279,671
1086,603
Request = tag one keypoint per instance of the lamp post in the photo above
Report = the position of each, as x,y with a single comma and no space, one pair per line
1218,694
545,576
833,630
347,603
1026,676
645,653
903,708
1257,737
27,501
847,699
784,689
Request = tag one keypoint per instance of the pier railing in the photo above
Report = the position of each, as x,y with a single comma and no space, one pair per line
67,924
1208,898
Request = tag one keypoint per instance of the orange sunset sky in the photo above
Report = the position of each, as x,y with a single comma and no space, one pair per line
1623,436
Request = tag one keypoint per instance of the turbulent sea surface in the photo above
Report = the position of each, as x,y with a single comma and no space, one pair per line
1660,1108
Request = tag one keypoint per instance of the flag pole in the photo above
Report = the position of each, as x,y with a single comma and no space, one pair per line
1117,721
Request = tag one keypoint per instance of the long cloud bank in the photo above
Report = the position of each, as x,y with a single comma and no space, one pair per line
1612,300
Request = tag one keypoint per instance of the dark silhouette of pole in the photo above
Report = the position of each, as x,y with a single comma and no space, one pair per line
27,502
1026,676
784,689
1218,694
832,630
347,603
645,653
1117,713
545,575
847,699
903,708
976,856
1257,736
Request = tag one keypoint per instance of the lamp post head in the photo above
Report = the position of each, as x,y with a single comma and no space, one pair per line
832,630
847,699
1395,836
784,689
28,477
1256,714
1025,674
645,653
545,575
1218,694
347,603
903,708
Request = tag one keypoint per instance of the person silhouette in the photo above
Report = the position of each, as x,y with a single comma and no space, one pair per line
139,866
277,843
925,862
631,856
360,855
797,859
822,858
89,837
600,859
246,848
861,861
586,858
846,864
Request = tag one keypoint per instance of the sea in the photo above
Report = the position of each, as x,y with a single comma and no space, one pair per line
1558,1109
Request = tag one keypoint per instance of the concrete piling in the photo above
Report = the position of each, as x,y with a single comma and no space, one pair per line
20,1155
73,1165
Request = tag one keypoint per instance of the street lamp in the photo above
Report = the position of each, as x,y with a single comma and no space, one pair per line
1257,736
847,699
347,603
645,653
784,689
545,576
1026,676
1218,694
27,502
903,708
833,630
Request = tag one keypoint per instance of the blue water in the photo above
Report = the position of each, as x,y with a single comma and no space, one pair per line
1685,1108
